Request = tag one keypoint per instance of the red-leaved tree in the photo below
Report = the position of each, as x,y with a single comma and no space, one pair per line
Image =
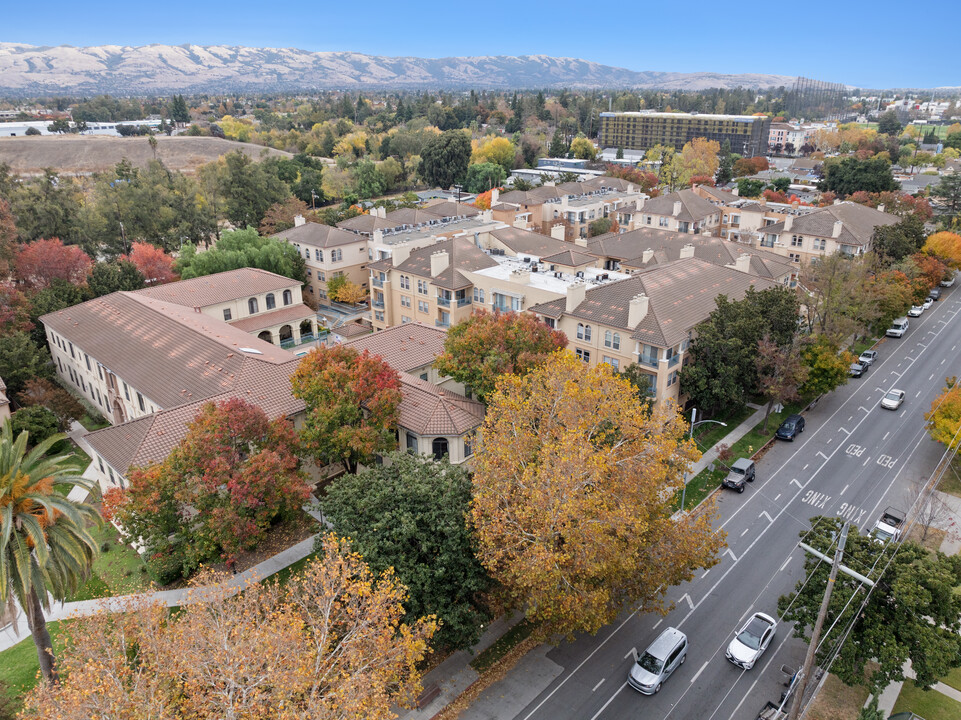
14,310
156,266
43,261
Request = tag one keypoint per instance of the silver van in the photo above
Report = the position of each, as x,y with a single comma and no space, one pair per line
655,665
898,327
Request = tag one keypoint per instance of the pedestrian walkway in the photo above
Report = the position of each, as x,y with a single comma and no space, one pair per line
172,598
710,455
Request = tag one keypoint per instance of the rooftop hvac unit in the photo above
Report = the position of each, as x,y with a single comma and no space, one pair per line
604,276
526,259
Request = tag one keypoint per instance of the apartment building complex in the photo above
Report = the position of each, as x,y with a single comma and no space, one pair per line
683,211
747,134
648,318
328,252
744,219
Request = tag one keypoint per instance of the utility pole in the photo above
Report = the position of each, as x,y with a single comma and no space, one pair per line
818,624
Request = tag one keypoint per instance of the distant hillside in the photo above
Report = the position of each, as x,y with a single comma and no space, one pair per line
84,154
122,70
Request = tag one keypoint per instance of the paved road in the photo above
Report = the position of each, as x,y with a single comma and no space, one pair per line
853,459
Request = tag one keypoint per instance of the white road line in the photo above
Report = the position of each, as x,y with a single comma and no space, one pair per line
942,362
886,435
845,430
764,514
785,564
822,455
604,707
600,682
688,597
795,482
733,556
698,673
658,623
805,467
746,530
632,654
778,495
704,574
845,489
917,394
931,377
850,417
902,413
865,461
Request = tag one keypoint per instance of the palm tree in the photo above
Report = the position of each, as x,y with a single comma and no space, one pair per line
45,547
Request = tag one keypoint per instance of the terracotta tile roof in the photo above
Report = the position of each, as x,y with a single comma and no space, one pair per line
450,208
150,439
682,294
218,288
525,242
857,223
364,224
463,255
289,314
570,258
318,235
612,183
693,207
404,347
428,410
170,353
722,196
353,330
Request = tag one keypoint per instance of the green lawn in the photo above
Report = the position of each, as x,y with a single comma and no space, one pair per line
861,345
953,679
282,576
117,571
710,434
90,424
929,704
19,665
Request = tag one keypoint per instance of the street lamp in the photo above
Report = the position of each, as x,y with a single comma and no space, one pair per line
690,435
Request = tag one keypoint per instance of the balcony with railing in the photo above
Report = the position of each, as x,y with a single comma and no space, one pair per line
461,302
377,282
443,301
649,360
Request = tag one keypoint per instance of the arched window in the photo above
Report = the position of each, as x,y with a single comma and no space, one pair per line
271,303
266,336
583,332
439,448
252,306
288,297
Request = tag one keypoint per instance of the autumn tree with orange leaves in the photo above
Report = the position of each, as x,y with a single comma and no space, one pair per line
156,266
573,497
944,418
38,263
329,644
352,403
945,245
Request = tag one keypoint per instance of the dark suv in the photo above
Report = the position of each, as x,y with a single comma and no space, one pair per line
791,426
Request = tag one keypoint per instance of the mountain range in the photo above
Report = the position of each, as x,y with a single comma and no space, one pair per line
27,70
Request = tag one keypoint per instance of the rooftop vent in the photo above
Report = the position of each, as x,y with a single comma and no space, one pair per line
252,351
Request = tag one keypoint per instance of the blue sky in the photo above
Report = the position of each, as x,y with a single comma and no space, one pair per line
858,44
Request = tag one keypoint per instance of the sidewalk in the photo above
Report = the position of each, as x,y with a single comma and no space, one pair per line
710,455
171,598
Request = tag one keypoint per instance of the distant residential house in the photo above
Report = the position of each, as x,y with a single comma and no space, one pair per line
683,211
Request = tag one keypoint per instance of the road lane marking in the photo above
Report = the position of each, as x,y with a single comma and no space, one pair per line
600,682
850,417
658,623
764,514
777,496
866,460
733,556
795,482
688,597
781,569
931,377
845,489
604,707
886,435
942,362
918,394
632,654
822,454
698,673
745,531
805,467
704,574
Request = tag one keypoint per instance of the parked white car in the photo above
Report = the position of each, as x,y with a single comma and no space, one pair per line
751,640
916,311
893,399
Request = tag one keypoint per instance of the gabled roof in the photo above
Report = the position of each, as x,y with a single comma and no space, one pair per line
570,258
857,223
318,235
290,314
218,288
428,410
150,439
169,352
463,255
693,206
365,224
605,181
525,242
722,196
681,295
404,347
451,208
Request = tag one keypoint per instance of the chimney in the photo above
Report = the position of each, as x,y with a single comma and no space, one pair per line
743,263
762,200
881,207
637,310
299,220
439,262
495,196
687,251
558,231
788,222
581,242
646,257
576,292
639,204
677,208
378,236
736,192
836,230
399,255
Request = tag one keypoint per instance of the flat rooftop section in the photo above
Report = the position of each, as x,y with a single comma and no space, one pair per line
399,237
700,116
546,279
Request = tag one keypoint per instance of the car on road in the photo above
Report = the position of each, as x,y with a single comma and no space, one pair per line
898,327
889,526
858,369
868,357
935,294
751,640
792,425
741,471
916,311
655,665
893,399
927,303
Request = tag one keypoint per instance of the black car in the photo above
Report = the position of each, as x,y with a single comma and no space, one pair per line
791,426
935,294
858,369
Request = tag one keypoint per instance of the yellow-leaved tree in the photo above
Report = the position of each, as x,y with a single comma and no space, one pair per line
331,643
573,496
496,150
945,245
944,418
699,157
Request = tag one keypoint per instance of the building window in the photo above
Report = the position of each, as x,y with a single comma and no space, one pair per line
468,445
227,315
319,255
405,282
336,255
583,332
140,402
820,244
288,297
87,360
412,443
71,352
648,220
672,378
405,301
662,221
550,322
422,287
271,302
612,340
478,295
613,362
379,316
795,257
252,306
796,241
404,319
100,371
322,276
584,355
422,306
439,448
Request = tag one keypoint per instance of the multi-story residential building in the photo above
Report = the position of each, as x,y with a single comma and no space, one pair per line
788,139
406,218
747,134
682,211
648,319
844,227
743,219
328,252
647,247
